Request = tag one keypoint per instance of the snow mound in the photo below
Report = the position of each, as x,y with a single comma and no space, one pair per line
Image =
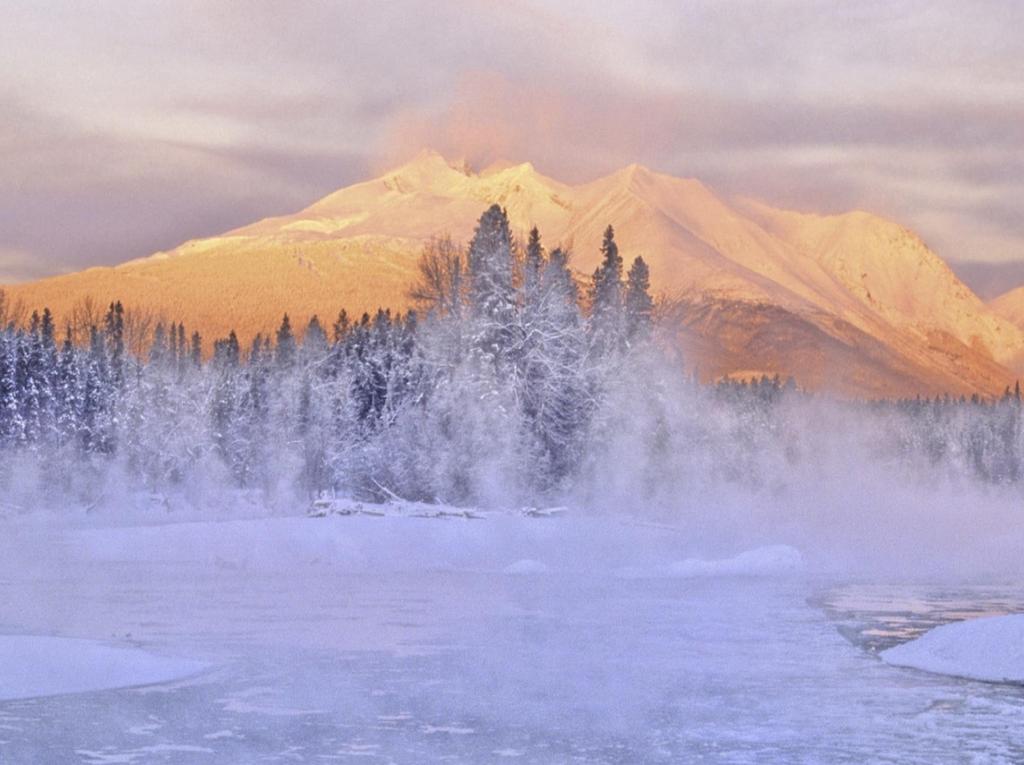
527,566
35,666
774,560
989,649
504,543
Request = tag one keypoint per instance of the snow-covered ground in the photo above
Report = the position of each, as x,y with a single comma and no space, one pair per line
39,665
401,639
382,540
990,649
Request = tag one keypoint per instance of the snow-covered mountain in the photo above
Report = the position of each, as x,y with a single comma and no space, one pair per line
852,302
1010,306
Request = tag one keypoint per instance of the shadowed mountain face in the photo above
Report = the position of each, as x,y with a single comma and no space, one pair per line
852,303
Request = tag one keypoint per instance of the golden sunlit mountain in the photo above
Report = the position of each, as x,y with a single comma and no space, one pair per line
1010,306
851,302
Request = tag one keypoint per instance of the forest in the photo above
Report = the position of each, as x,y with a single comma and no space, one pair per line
513,383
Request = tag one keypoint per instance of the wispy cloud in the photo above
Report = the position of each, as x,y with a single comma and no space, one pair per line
20,265
129,127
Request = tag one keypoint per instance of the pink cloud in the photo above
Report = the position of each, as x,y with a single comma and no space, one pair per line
490,116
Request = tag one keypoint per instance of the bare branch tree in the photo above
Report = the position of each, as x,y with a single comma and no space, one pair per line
12,312
139,324
441,284
85,314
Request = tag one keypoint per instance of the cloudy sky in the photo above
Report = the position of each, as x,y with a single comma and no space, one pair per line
130,126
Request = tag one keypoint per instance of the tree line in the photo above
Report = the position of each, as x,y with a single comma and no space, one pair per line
512,381
489,388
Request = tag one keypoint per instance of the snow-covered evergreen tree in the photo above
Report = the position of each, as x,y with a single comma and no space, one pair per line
501,389
638,302
607,325
196,352
492,296
555,393
285,347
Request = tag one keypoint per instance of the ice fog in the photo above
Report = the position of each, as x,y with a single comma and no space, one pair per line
500,527
511,387
728,468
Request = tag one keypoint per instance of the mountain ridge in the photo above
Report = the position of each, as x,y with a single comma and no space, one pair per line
863,282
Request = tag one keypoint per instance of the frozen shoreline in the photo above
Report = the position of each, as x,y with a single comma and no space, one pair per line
378,539
38,665
990,649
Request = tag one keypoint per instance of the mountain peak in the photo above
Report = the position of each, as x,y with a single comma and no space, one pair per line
429,162
524,175
635,174
358,248
428,170
631,172
504,166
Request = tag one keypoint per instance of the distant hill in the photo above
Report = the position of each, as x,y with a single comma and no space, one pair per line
852,302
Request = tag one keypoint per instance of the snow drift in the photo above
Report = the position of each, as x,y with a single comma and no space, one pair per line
35,665
508,544
989,649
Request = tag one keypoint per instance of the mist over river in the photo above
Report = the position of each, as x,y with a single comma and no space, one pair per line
405,640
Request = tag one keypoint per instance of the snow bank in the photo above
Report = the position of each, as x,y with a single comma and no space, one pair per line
774,560
990,649
360,542
32,665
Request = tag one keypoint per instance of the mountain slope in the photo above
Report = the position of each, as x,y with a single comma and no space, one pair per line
1010,306
848,302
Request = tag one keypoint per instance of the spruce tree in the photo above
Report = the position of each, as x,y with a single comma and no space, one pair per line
342,325
607,329
95,396
639,304
159,351
196,354
67,390
114,338
285,348
314,341
557,385
532,265
10,404
47,333
183,357
492,295
227,352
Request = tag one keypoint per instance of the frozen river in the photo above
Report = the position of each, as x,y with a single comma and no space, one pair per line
407,662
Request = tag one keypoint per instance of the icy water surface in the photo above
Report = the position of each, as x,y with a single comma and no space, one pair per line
318,665
880,616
